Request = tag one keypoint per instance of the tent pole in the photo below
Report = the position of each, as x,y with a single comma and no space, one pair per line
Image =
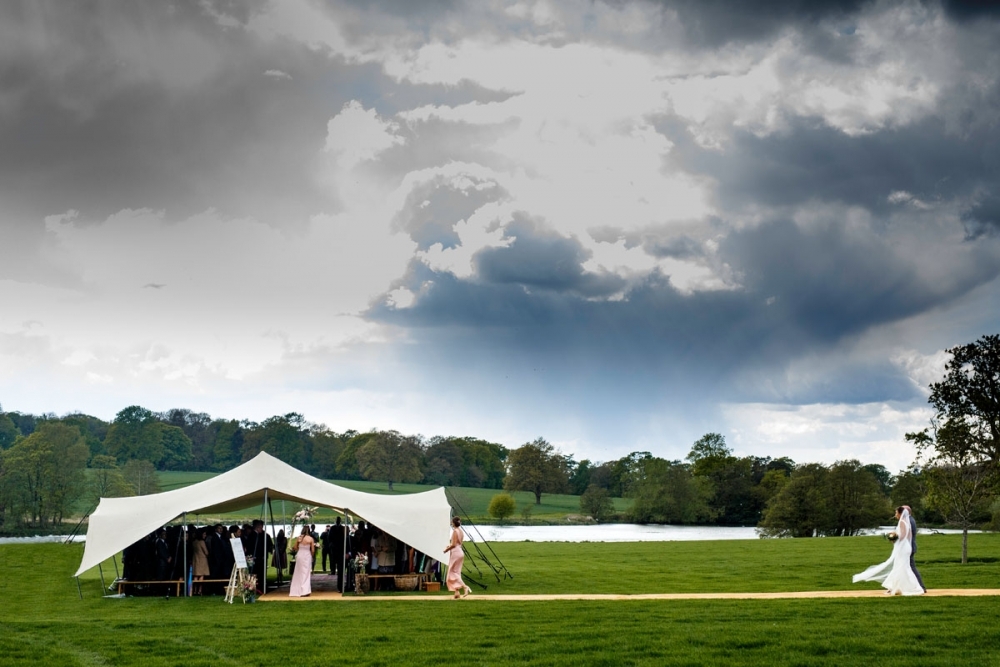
184,543
114,559
274,540
343,557
101,570
256,545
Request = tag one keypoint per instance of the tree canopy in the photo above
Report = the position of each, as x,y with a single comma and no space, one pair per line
538,468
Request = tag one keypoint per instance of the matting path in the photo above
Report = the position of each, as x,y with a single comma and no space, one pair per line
282,596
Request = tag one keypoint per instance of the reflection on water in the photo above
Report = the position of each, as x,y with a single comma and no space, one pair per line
41,539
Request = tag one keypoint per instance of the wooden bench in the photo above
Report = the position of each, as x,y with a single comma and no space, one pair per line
179,583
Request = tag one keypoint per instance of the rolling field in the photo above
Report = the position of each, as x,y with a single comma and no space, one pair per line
554,507
43,620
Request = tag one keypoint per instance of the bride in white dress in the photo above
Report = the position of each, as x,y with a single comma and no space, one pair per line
896,575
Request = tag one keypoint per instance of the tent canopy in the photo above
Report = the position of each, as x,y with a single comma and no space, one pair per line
419,519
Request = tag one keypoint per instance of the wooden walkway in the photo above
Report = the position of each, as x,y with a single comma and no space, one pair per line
282,596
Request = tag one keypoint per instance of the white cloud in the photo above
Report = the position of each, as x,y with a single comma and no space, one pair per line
357,134
825,433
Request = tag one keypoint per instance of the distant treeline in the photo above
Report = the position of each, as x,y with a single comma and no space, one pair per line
45,457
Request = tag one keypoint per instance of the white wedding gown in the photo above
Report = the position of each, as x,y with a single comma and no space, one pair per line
895,574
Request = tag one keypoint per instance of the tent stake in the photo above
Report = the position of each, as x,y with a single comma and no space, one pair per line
78,589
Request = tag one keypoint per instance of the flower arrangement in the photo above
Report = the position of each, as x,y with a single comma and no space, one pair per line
891,536
360,562
248,589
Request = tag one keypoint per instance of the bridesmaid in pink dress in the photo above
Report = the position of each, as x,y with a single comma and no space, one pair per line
456,558
301,579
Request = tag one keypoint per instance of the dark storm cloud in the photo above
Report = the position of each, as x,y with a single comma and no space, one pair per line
828,282
541,259
812,161
971,10
432,209
90,121
983,218
803,291
712,23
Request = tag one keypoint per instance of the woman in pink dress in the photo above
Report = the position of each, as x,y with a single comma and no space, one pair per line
301,580
456,558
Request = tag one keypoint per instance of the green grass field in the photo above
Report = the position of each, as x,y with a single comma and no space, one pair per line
554,507
43,621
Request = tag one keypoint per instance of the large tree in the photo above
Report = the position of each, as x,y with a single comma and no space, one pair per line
43,474
960,479
854,498
130,438
391,457
8,431
141,476
668,492
106,479
538,468
285,437
800,508
970,393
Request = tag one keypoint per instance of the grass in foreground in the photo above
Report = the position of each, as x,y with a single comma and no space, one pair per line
42,621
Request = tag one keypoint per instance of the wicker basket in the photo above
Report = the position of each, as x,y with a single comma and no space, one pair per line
407,582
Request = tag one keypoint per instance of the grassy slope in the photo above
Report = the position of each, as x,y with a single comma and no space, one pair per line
554,507
44,622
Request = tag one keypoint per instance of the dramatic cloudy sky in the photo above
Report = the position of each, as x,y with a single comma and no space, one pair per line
616,225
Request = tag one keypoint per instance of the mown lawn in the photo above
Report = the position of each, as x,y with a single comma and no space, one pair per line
554,507
43,621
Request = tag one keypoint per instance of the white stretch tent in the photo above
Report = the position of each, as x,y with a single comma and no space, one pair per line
418,519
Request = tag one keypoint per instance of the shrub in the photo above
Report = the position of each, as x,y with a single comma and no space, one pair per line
501,506
596,502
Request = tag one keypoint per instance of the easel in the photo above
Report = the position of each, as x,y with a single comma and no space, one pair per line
239,578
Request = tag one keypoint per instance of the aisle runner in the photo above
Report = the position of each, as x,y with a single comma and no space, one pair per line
282,596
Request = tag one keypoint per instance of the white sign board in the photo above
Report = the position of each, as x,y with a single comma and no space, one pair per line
237,545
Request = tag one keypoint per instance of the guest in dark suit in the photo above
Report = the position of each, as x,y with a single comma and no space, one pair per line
313,534
324,541
338,534
163,559
260,546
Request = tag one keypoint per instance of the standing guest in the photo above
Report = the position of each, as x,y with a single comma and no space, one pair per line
279,559
324,541
261,545
305,549
245,532
338,535
163,559
456,558
199,560
315,536
218,547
